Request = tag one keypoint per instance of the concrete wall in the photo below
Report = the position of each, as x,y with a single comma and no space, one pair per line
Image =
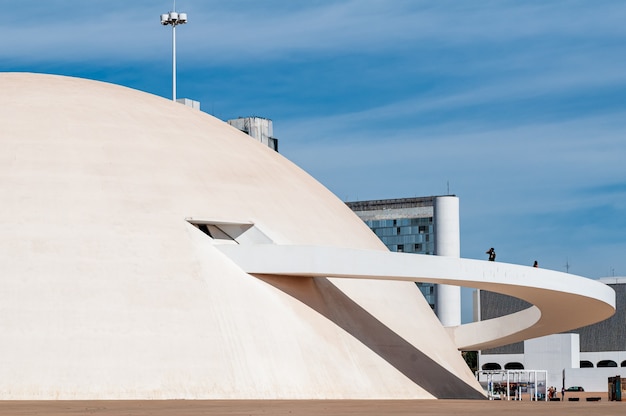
592,379
595,357
553,353
559,352
610,334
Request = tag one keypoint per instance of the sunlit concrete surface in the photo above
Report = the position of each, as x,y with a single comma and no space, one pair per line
110,292
117,210
561,301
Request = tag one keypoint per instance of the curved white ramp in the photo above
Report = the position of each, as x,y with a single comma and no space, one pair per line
561,301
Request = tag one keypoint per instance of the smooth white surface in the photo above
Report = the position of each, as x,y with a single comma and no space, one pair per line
447,243
109,292
447,226
553,353
591,379
561,301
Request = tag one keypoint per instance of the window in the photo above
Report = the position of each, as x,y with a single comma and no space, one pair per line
586,364
513,366
491,366
623,364
607,363
400,248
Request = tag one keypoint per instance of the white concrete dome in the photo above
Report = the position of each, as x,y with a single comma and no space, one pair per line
110,292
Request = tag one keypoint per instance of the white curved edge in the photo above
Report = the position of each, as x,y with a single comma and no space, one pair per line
562,301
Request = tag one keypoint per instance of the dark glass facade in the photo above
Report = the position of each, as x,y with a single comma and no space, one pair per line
409,235
403,225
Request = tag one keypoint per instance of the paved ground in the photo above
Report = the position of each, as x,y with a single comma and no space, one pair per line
310,408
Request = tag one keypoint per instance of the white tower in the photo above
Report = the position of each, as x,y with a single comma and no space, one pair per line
447,243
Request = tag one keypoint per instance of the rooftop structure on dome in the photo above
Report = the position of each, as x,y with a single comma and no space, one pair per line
259,128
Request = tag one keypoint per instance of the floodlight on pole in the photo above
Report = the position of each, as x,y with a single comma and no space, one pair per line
173,18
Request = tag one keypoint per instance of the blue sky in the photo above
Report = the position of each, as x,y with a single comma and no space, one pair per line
519,108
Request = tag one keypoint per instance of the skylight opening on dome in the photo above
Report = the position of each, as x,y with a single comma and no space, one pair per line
222,232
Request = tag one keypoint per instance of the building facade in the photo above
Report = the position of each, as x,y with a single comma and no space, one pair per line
421,225
403,225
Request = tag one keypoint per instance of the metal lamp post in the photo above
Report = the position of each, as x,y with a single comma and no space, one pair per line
174,19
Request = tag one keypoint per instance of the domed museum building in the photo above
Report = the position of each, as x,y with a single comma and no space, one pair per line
151,251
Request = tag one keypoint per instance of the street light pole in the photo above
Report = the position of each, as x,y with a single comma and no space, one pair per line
173,18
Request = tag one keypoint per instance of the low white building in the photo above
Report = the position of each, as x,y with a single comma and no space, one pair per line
584,357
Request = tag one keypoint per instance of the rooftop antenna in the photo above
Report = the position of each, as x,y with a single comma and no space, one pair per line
567,265
173,18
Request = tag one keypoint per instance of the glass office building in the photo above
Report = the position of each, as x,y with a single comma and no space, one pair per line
403,225
409,235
